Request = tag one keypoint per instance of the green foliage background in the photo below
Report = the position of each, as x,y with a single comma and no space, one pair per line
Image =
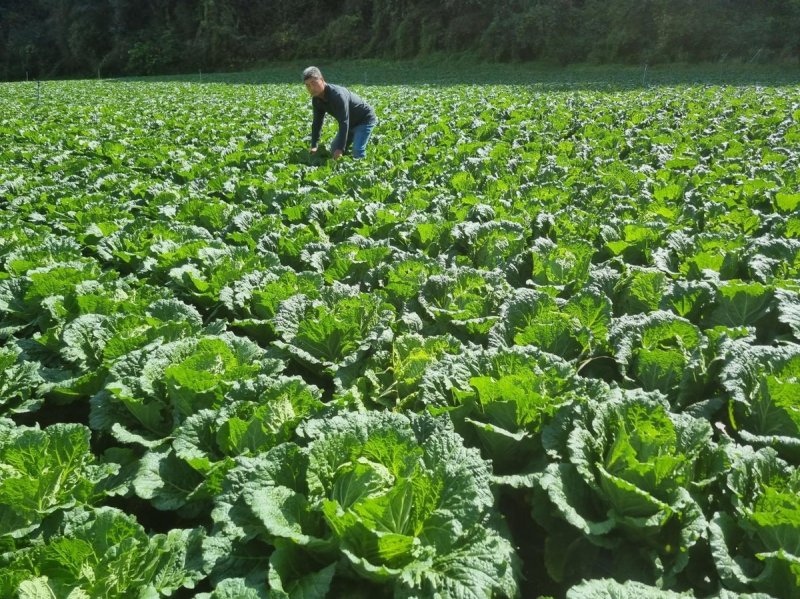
49,38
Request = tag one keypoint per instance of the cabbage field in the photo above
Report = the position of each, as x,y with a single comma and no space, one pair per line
543,341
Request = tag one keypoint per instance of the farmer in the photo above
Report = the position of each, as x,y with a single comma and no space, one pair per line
356,118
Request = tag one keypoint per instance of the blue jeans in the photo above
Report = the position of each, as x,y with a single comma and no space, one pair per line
359,136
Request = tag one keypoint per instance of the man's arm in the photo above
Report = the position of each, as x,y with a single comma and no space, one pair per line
341,110
316,125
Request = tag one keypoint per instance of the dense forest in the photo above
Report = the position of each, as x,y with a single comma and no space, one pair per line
99,38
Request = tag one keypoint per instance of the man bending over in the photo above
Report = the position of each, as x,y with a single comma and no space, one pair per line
356,118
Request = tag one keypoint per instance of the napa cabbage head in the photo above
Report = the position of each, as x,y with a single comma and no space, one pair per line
573,329
660,351
152,390
336,330
102,552
45,471
628,474
391,377
464,301
755,534
202,449
393,501
501,399
762,386
20,380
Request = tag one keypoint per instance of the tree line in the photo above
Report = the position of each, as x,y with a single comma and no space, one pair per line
51,38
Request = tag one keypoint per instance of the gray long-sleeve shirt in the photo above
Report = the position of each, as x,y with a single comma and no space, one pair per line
346,107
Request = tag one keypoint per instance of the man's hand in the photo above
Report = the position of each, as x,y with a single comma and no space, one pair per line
337,154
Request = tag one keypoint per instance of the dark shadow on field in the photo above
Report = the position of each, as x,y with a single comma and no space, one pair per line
447,73
303,156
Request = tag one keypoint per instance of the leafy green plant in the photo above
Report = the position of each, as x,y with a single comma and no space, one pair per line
20,381
405,278
186,472
33,300
562,266
254,300
143,244
335,330
464,300
755,538
385,498
202,280
150,391
501,400
103,323
625,488
391,377
103,552
643,291
663,352
740,304
356,261
44,472
573,329
290,243
51,249
492,245
763,388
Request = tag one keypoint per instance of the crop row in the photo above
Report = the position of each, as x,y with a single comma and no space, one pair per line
537,343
